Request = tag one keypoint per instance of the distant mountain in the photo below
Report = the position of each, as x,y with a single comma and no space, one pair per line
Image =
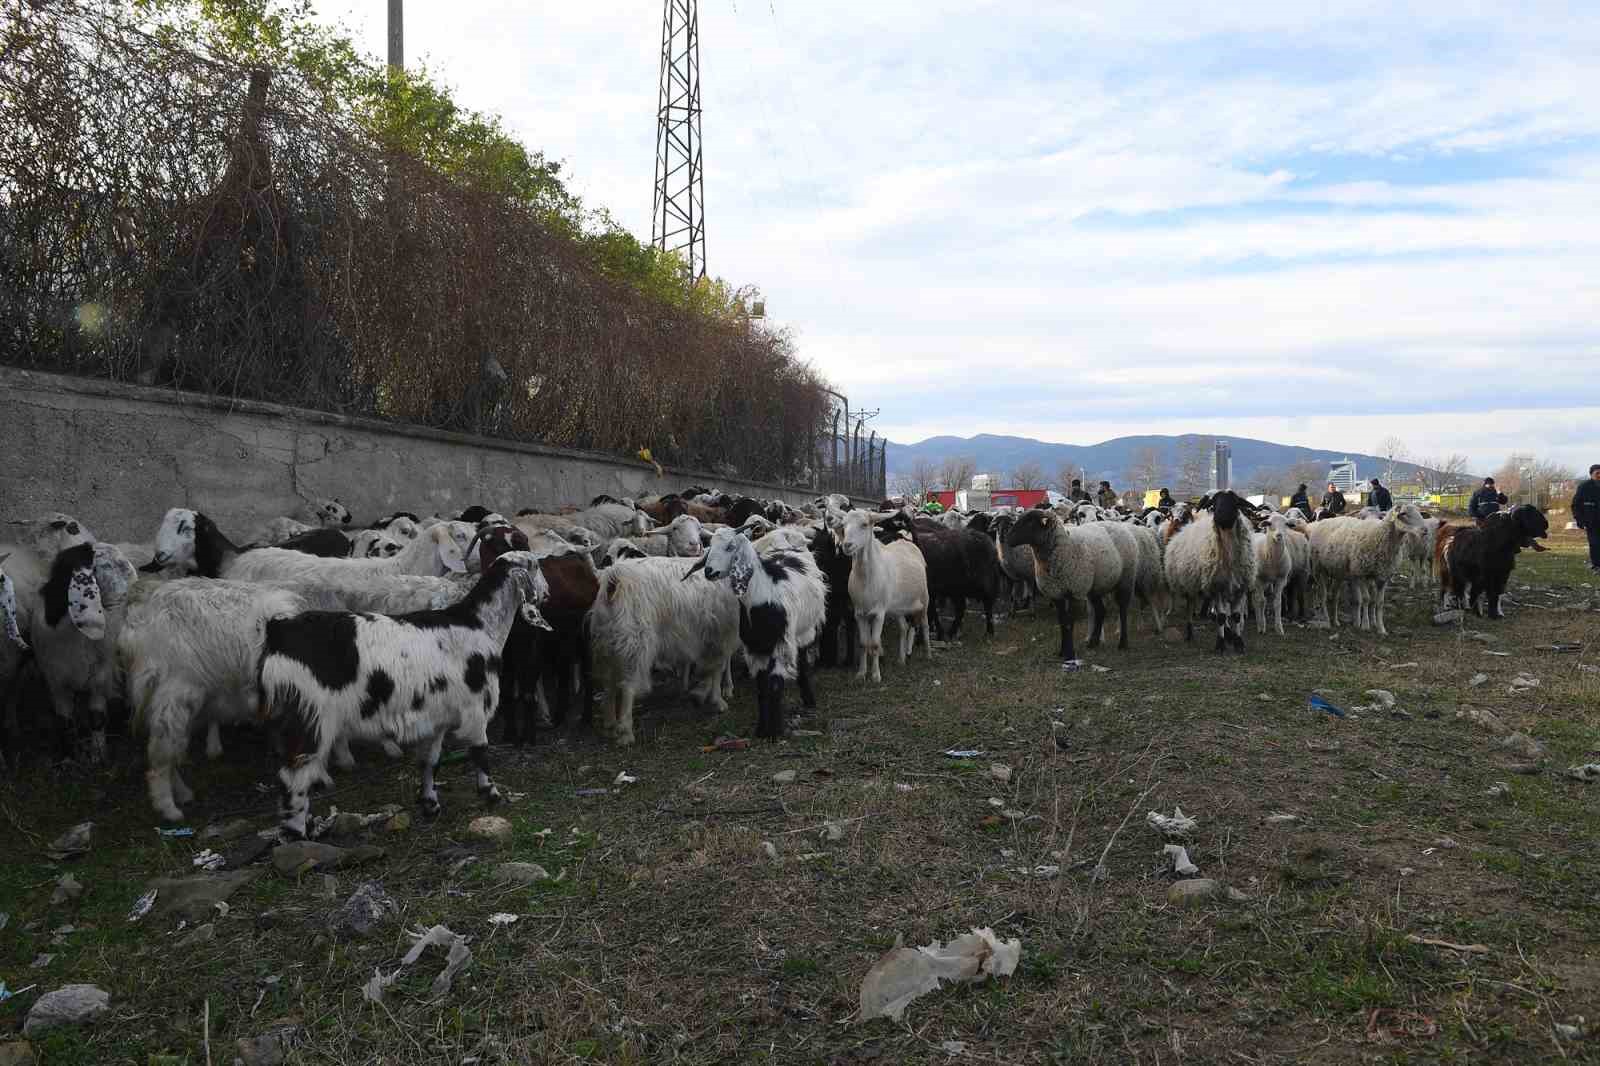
1112,459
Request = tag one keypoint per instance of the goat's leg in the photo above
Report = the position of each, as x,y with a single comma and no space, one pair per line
213,740
341,753
808,695
167,724
1381,591
627,693
1066,618
958,610
1097,622
477,740
1124,601
428,763
922,622
873,643
775,705
294,793
863,635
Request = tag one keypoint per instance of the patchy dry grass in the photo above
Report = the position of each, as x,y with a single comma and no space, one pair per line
672,937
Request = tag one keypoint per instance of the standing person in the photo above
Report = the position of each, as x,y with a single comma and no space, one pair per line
1106,497
1333,500
1077,495
1484,502
1379,496
1164,501
1302,500
1586,513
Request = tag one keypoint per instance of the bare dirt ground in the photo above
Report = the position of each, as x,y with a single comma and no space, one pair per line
672,935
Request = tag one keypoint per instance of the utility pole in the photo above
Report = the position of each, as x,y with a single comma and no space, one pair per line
678,213
397,36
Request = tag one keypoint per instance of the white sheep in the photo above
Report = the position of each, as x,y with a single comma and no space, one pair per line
69,603
1274,567
190,649
1362,553
1150,583
606,520
376,544
886,580
410,679
657,613
784,538
1089,562
782,600
1211,559
681,538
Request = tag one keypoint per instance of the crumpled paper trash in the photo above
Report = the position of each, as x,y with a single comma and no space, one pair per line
458,956
1180,860
1180,825
74,841
904,974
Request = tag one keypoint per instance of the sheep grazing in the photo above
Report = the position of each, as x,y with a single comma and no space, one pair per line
1361,552
885,580
1081,562
1274,567
1211,558
962,565
408,678
190,649
652,613
1478,562
782,602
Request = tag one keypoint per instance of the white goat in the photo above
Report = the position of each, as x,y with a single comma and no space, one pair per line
885,580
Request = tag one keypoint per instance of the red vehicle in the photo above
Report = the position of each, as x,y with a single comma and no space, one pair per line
998,498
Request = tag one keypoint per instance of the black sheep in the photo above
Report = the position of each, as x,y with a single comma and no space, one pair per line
1480,560
962,565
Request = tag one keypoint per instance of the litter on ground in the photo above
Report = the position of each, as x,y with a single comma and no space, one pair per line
903,974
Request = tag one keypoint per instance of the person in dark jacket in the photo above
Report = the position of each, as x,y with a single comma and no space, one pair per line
1379,496
1302,500
1333,500
1586,514
1077,495
1164,501
1484,502
1107,496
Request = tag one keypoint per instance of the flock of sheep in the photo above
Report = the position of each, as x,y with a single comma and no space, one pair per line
413,628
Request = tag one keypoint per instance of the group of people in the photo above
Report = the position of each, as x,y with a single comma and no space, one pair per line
1333,500
1106,496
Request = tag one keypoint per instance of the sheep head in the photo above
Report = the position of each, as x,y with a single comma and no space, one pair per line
730,556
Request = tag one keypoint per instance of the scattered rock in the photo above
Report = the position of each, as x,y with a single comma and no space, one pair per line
783,777
224,832
1487,719
1000,772
1587,772
271,1048
1522,683
490,827
1448,618
302,856
367,908
770,850
195,898
398,823
1481,638
1499,791
67,889
1478,679
1447,843
1382,699
345,824
1193,892
17,1053
251,848
833,830
1180,860
1526,769
521,873
200,934
43,959
68,1005
1523,745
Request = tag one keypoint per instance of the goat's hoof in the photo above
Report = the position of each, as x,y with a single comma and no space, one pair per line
430,807
490,795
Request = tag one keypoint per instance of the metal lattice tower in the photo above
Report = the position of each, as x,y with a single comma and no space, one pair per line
678,218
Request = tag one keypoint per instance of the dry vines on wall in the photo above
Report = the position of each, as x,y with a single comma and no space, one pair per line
172,218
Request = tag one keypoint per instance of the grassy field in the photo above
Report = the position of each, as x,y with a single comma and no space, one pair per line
673,936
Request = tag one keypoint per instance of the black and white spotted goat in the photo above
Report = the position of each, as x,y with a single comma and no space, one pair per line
783,599
408,678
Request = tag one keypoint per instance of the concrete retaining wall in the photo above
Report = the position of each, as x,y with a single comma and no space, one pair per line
118,456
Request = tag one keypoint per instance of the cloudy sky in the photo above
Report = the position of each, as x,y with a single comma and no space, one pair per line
1316,223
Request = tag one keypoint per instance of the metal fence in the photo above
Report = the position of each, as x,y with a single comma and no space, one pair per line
177,218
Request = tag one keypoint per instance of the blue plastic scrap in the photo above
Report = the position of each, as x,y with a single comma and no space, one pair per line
180,831
1317,703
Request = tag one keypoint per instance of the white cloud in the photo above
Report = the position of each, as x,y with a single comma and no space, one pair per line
1297,220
